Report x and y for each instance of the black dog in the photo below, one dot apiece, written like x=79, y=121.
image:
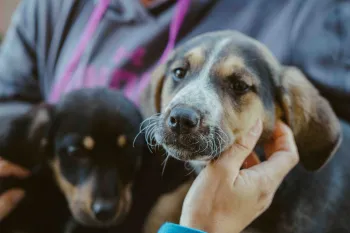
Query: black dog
x=83, y=157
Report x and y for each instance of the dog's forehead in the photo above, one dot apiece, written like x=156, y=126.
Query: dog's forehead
x=227, y=48
x=98, y=109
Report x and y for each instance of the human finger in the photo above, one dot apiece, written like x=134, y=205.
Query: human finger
x=231, y=161
x=9, y=169
x=251, y=161
x=282, y=140
x=9, y=200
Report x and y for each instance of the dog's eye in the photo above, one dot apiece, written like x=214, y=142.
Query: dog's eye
x=75, y=152
x=179, y=73
x=240, y=86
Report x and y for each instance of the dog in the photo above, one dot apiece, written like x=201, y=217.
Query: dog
x=210, y=92
x=84, y=161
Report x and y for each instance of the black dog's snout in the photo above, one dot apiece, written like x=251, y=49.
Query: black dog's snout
x=183, y=119
x=104, y=210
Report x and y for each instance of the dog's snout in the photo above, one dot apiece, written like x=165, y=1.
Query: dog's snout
x=104, y=210
x=183, y=119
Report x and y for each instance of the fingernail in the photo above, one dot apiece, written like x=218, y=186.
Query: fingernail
x=257, y=128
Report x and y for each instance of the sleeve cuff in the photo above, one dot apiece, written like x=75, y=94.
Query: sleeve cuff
x=174, y=228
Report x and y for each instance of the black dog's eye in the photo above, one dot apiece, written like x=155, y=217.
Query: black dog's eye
x=240, y=87
x=76, y=152
x=179, y=73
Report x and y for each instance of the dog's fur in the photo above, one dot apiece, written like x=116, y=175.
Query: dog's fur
x=82, y=147
x=231, y=80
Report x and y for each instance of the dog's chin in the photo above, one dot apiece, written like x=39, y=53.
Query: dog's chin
x=184, y=154
x=188, y=147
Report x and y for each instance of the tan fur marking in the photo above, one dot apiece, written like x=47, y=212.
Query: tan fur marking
x=121, y=141
x=125, y=201
x=68, y=189
x=196, y=57
x=240, y=121
x=167, y=209
x=88, y=143
x=79, y=198
x=229, y=65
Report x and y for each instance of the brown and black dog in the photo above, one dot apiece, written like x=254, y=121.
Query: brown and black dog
x=85, y=145
x=214, y=87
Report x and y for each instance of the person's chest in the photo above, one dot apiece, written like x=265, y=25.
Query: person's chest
x=114, y=48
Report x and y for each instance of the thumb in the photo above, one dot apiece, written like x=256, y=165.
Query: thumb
x=231, y=160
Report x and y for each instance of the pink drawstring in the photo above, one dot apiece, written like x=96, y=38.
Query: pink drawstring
x=63, y=81
x=176, y=22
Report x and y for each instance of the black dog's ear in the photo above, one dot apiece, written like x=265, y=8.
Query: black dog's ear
x=151, y=96
x=23, y=137
x=315, y=126
x=41, y=118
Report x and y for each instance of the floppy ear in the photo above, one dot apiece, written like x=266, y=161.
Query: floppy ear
x=151, y=96
x=23, y=136
x=315, y=126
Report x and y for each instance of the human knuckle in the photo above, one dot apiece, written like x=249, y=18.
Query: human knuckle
x=293, y=158
x=265, y=203
x=266, y=185
x=243, y=149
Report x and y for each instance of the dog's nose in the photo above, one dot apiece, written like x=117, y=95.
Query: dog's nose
x=104, y=210
x=183, y=119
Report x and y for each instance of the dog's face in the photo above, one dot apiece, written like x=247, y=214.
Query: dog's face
x=88, y=139
x=213, y=89
x=94, y=160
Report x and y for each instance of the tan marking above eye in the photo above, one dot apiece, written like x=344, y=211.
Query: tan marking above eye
x=229, y=65
x=196, y=57
x=88, y=143
x=121, y=141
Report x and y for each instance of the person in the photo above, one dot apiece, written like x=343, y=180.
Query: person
x=53, y=47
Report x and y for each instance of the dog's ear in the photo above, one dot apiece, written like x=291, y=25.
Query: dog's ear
x=315, y=126
x=41, y=118
x=151, y=96
x=23, y=136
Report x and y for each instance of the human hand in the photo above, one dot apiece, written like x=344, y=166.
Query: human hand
x=224, y=198
x=10, y=199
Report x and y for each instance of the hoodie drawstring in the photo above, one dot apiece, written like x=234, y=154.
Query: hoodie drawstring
x=63, y=81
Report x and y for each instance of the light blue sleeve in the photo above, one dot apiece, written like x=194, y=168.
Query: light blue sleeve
x=174, y=228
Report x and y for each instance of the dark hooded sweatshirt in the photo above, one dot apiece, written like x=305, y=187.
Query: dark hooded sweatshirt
x=74, y=43
x=54, y=46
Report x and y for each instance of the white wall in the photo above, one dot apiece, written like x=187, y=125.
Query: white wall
x=6, y=9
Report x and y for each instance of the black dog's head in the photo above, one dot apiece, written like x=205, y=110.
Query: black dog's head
x=87, y=138
x=213, y=88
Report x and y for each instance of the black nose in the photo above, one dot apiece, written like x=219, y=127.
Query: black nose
x=104, y=210
x=183, y=119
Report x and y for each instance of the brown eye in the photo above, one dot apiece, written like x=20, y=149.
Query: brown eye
x=179, y=73
x=240, y=87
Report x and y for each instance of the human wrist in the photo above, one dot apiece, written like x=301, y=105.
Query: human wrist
x=175, y=228
x=212, y=225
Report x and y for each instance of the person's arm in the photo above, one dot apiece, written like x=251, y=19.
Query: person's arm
x=19, y=59
x=175, y=228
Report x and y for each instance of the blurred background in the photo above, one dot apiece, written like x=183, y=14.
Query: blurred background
x=6, y=9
